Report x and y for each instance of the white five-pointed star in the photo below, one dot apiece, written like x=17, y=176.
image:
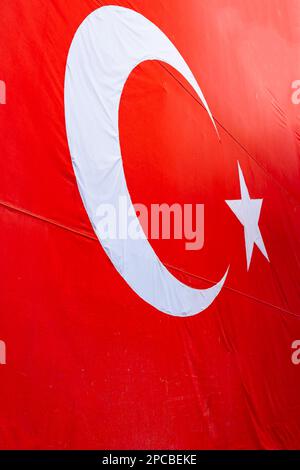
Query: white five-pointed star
x=247, y=211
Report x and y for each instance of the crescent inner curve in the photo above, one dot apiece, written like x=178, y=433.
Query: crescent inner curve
x=108, y=45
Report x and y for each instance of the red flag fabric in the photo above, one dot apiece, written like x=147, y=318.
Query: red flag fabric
x=90, y=360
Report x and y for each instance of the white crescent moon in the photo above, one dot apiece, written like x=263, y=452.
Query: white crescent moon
x=108, y=45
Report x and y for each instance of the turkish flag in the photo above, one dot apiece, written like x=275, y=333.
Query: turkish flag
x=89, y=362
